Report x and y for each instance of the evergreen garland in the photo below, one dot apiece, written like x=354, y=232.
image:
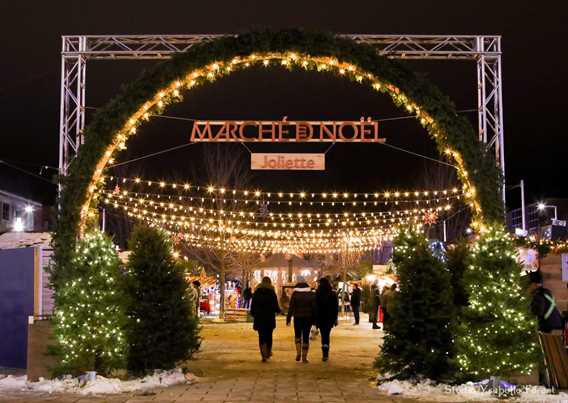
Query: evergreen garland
x=90, y=318
x=419, y=337
x=162, y=329
x=497, y=334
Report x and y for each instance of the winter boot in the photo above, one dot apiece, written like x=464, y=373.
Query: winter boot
x=325, y=352
x=298, y=350
x=264, y=352
x=305, y=349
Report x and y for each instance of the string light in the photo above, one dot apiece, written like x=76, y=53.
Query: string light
x=170, y=94
x=286, y=196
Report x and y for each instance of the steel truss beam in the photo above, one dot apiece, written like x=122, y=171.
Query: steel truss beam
x=77, y=50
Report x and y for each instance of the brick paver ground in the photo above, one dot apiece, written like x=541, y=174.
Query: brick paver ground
x=230, y=370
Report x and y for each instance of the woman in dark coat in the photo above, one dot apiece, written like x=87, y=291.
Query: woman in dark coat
x=302, y=307
x=326, y=313
x=263, y=309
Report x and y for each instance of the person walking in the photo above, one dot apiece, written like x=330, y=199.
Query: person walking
x=356, y=302
x=247, y=297
x=302, y=306
x=375, y=303
x=197, y=292
x=325, y=314
x=263, y=309
x=386, y=303
x=543, y=305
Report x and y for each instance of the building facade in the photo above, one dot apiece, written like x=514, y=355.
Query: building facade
x=19, y=214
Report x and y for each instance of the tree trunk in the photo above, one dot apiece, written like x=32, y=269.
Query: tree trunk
x=222, y=291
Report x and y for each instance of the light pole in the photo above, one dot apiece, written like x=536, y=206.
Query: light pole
x=523, y=211
x=541, y=207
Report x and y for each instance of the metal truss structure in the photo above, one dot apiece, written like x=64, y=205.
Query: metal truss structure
x=485, y=51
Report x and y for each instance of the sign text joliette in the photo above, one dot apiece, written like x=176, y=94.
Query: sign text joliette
x=282, y=131
x=287, y=161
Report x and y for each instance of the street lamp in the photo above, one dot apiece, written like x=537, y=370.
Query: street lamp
x=29, y=209
x=541, y=207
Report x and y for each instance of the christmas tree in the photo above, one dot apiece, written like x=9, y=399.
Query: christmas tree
x=419, y=337
x=456, y=261
x=497, y=333
x=89, y=317
x=162, y=329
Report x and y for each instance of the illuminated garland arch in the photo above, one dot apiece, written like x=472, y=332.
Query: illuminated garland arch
x=155, y=89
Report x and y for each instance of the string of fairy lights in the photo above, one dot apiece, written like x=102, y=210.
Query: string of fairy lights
x=254, y=221
x=172, y=93
x=250, y=194
x=190, y=213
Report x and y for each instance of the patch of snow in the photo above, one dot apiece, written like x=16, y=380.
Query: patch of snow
x=431, y=391
x=434, y=392
x=12, y=382
x=100, y=386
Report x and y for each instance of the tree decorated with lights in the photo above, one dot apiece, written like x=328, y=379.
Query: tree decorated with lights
x=419, y=340
x=497, y=333
x=89, y=316
x=162, y=329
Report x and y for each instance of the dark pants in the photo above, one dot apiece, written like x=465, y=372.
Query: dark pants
x=247, y=303
x=374, y=314
x=355, y=313
x=265, y=337
x=302, y=328
x=325, y=333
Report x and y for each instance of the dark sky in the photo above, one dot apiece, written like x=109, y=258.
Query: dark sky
x=534, y=73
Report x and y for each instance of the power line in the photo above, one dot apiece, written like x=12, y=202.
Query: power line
x=250, y=151
x=418, y=155
x=153, y=154
x=26, y=172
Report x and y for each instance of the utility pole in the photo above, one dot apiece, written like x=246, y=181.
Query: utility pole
x=523, y=212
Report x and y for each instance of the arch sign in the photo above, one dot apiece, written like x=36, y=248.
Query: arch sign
x=338, y=58
x=285, y=131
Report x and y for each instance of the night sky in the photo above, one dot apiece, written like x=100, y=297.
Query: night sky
x=534, y=73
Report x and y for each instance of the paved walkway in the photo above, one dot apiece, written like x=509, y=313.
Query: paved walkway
x=230, y=370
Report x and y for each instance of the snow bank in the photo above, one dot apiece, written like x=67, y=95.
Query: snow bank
x=428, y=390
x=101, y=385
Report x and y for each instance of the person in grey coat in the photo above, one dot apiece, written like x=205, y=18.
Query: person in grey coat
x=302, y=308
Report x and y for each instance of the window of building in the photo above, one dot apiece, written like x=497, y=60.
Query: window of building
x=5, y=211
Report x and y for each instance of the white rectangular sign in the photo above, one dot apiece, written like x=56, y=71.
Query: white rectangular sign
x=288, y=161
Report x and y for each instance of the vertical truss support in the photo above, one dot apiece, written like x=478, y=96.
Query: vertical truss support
x=72, y=103
x=490, y=99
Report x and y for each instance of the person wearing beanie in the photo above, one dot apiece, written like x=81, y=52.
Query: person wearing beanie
x=302, y=306
x=543, y=305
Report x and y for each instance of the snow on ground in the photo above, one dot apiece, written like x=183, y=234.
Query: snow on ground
x=427, y=390
x=101, y=385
